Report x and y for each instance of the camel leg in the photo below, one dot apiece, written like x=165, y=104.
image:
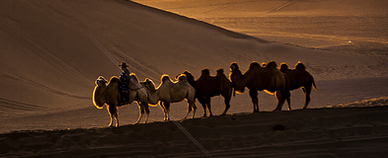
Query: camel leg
x=147, y=110
x=203, y=103
x=188, y=111
x=166, y=109
x=280, y=96
x=194, y=108
x=111, y=119
x=288, y=99
x=289, y=103
x=307, y=92
x=227, y=104
x=255, y=100
x=112, y=110
x=141, y=112
x=208, y=101
x=190, y=107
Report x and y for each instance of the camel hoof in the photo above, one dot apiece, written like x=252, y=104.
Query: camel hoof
x=223, y=114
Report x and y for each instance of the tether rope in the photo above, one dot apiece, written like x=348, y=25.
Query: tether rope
x=153, y=100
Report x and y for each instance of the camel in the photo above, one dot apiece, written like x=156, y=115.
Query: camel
x=299, y=77
x=108, y=93
x=170, y=92
x=258, y=78
x=208, y=86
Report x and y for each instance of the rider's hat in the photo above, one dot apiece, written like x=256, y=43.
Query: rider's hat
x=124, y=65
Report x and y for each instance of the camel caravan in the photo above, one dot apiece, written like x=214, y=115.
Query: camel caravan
x=123, y=90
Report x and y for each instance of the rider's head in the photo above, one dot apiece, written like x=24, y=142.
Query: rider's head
x=123, y=65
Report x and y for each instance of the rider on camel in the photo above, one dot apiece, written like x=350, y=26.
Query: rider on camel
x=124, y=78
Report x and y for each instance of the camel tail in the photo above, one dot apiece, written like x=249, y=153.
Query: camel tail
x=315, y=86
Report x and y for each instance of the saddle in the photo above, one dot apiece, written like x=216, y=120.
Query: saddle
x=124, y=93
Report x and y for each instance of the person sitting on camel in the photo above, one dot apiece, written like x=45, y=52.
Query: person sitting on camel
x=124, y=78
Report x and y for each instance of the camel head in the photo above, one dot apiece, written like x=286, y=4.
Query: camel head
x=234, y=67
x=189, y=77
x=181, y=77
x=101, y=81
x=148, y=84
x=99, y=92
x=237, y=78
x=187, y=73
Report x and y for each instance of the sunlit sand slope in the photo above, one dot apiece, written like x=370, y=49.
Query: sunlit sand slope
x=300, y=22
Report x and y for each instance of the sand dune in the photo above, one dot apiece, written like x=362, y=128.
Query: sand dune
x=48, y=65
x=306, y=23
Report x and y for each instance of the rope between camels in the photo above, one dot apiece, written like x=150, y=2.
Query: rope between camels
x=144, y=91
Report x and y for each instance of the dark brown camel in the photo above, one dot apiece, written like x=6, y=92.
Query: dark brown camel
x=208, y=86
x=258, y=78
x=299, y=77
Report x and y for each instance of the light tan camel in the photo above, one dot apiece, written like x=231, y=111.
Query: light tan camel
x=109, y=94
x=299, y=77
x=258, y=78
x=170, y=92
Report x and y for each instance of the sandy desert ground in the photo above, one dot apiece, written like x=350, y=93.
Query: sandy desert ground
x=326, y=132
x=49, y=64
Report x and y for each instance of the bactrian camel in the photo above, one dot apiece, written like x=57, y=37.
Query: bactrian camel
x=107, y=93
x=170, y=92
x=299, y=77
x=258, y=78
x=208, y=86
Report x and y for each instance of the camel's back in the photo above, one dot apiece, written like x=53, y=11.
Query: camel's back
x=269, y=78
x=182, y=90
x=208, y=86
